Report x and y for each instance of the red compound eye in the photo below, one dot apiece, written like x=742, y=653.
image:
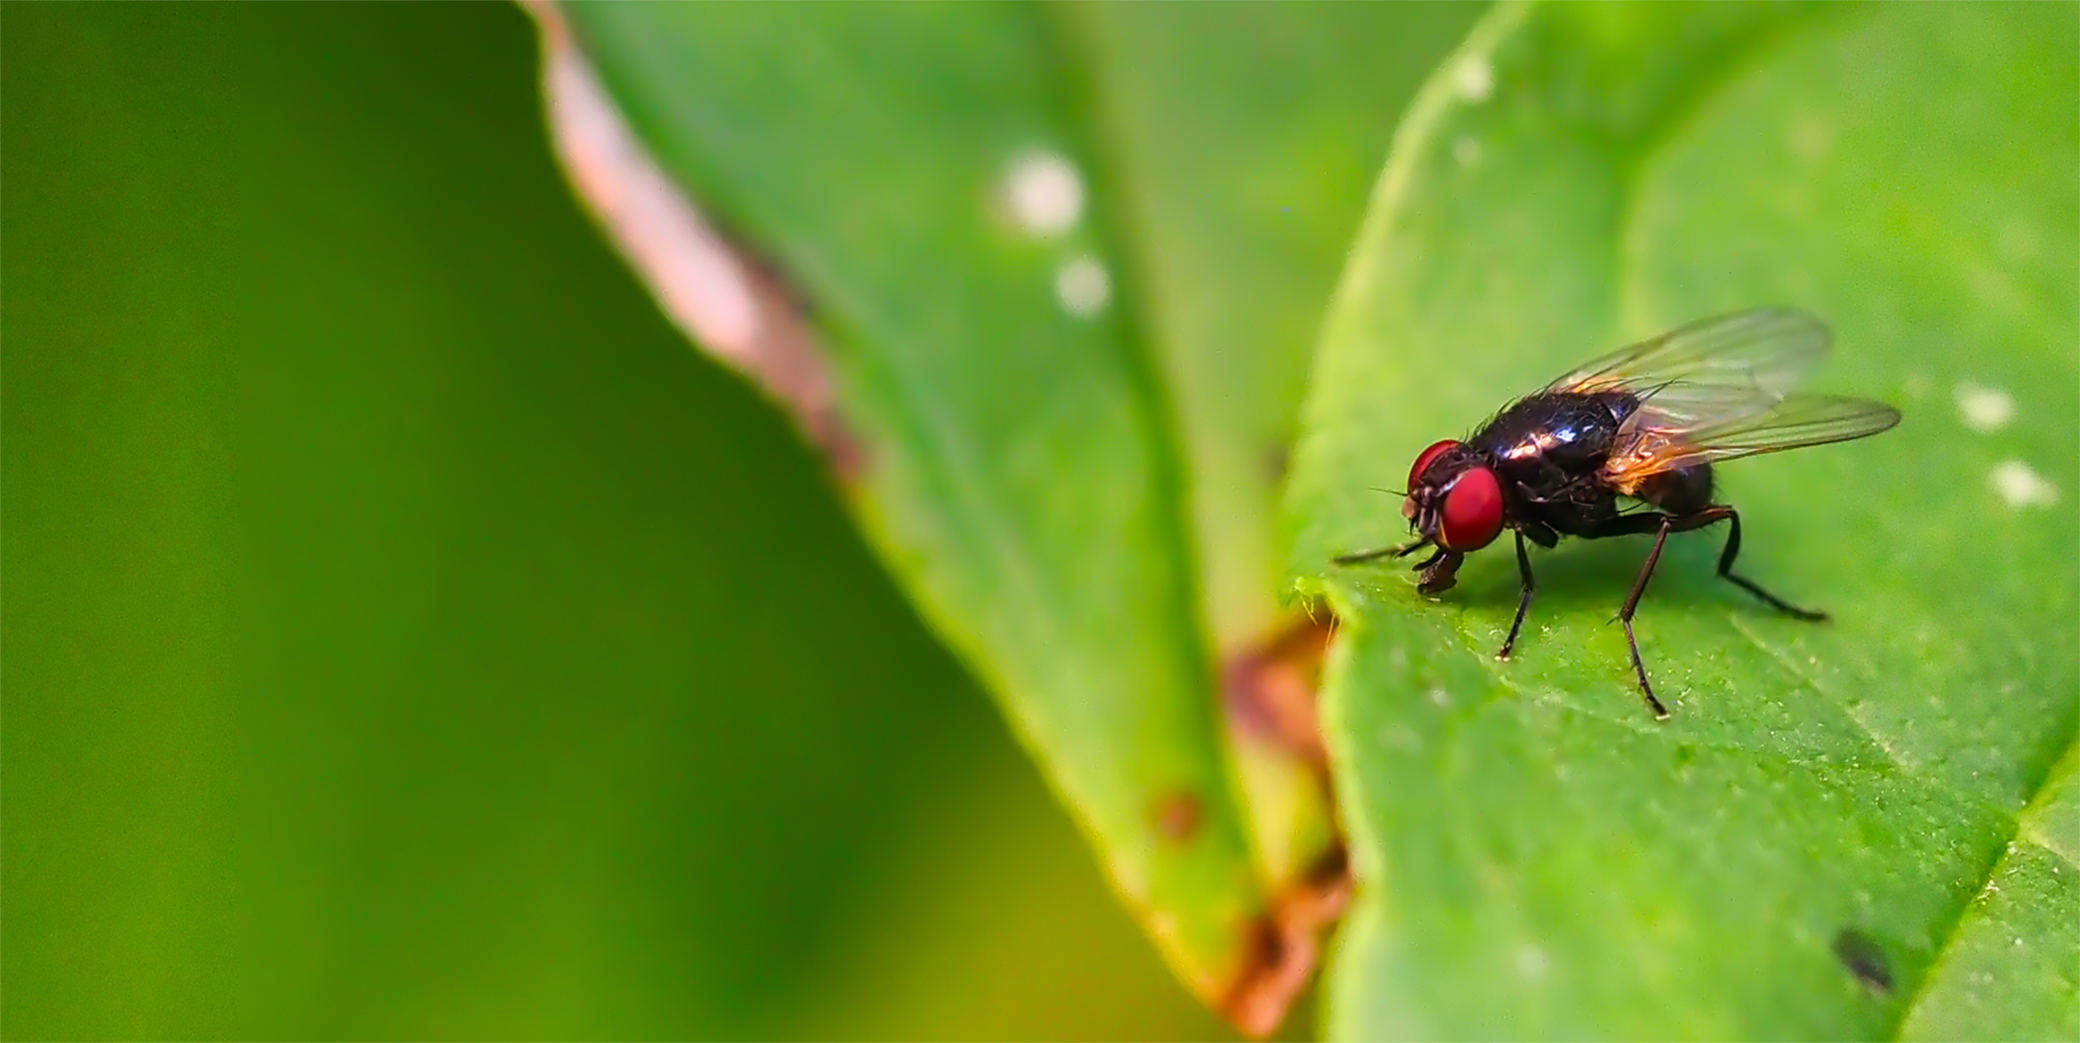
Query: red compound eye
x=1472, y=511
x=1425, y=459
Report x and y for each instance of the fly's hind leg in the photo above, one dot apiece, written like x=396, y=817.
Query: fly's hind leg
x=1732, y=551
x=1661, y=525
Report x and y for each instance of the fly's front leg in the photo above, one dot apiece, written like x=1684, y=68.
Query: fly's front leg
x=1400, y=550
x=1523, y=600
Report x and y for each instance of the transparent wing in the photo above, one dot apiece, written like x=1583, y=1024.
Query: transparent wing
x=1712, y=371
x=1649, y=444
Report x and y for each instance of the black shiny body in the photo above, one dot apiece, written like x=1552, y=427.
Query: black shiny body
x=1624, y=445
x=1549, y=450
x=1548, y=453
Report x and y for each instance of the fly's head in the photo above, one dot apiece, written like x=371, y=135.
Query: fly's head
x=1454, y=502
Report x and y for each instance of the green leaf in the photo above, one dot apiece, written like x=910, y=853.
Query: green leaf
x=2008, y=971
x=1536, y=855
x=1061, y=431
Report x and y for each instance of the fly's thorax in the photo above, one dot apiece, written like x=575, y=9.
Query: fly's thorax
x=1568, y=431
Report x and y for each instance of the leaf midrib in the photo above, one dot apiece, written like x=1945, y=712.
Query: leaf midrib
x=2000, y=857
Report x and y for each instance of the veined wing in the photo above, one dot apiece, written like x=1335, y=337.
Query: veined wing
x=1712, y=371
x=1648, y=445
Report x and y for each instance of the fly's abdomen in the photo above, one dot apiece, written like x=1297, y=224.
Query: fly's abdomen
x=1684, y=490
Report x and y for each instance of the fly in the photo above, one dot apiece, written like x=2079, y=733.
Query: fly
x=1645, y=423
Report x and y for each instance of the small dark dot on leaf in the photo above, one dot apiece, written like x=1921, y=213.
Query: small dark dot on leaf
x=1864, y=959
x=1276, y=460
x=1177, y=816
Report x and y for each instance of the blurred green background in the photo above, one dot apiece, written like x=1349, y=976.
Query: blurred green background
x=408, y=634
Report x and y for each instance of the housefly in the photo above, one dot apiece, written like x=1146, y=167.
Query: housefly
x=1625, y=446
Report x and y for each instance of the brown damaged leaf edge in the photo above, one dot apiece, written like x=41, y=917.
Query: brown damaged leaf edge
x=1269, y=692
x=1286, y=944
x=728, y=301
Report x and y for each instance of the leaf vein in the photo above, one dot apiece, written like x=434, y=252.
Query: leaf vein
x=2000, y=857
x=1806, y=678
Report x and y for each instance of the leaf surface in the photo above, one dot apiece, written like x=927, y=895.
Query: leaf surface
x=1537, y=856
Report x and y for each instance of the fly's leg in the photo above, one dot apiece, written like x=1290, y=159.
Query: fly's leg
x=1523, y=601
x=1398, y=551
x=1732, y=551
x=1660, y=525
x=1639, y=587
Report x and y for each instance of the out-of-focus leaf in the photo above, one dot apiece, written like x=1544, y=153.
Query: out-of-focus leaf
x=1845, y=831
x=1044, y=408
x=1016, y=469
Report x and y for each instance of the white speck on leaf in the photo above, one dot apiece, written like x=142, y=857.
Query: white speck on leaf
x=1400, y=737
x=1984, y=409
x=1440, y=697
x=1475, y=79
x=1532, y=963
x=1083, y=286
x=1044, y=192
x=1467, y=151
x=2022, y=486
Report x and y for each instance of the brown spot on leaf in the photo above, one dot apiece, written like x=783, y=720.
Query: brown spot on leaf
x=731, y=303
x=1277, y=460
x=1269, y=690
x=1177, y=816
x=1285, y=946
